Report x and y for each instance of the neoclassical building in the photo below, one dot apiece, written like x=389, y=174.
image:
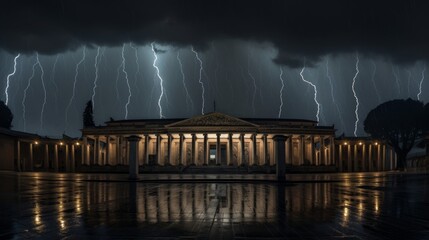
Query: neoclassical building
x=211, y=139
x=214, y=139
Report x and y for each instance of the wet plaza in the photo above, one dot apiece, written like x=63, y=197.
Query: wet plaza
x=312, y=206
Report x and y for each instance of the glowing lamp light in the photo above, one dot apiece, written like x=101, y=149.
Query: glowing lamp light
x=36, y=142
x=376, y=143
x=77, y=143
x=345, y=143
x=61, y=143
x=360, y=143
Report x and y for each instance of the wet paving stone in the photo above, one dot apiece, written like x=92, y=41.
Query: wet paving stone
x=317, y=206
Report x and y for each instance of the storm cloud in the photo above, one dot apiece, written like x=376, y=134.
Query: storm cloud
x=301, y=31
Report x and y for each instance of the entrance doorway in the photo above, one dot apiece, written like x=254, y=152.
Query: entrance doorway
x=213, y=155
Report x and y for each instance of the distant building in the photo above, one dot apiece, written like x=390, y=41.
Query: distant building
x=363, y=154
x=22, y=151
x=214, y=139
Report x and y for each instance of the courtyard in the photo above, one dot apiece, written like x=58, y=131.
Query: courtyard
x=388, y=205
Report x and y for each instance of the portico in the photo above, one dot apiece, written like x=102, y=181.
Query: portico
x=212, y=139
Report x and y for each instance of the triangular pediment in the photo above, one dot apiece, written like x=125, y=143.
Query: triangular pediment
x=214, y=119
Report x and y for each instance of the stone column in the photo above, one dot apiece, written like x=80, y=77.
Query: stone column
x=370, y=163
x=84, y=150
x=355, y=158
x=383, y=158
x=332, y=151
x=194, y=138
x=107, y=150
x=391, y=159
x=118, y=150
x=312, y=150
x=266, y=150
x=206, y=160
x=181, y=149
x=302, y=157
x=349, y=158
x=254, y=153
x=95, y=157
x=378, y=157
x=31, y=157
x=169, y=139
x=67, y=162
x=56, y=158
x=364, y=157
x=231, y=156
x=322, y=150
x=46, y=162
x=146, y=149
x=133, y=163
x=73, y=159
x=243, y=159
x=340, y=157
x=280, y=156
x=99, y=155
x=289, y=150
x=158, y=149
x=218, y=160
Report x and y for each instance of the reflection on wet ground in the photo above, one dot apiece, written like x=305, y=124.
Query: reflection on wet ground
x=322, y=206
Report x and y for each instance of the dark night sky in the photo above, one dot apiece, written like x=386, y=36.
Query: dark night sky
x=243, y=45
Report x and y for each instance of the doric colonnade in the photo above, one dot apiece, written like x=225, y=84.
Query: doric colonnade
x=362, y=155
x=207, y=149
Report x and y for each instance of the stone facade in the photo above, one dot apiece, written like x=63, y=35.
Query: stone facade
x=214, y=139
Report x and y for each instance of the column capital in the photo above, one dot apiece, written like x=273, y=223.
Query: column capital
x=218, y=134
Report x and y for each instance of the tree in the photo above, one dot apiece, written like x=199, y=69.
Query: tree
x=88, y=118
x=398, y=122
x=6, y=116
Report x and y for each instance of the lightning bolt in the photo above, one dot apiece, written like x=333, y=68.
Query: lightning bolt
x=74, y=85
x=281, y=93
x=354, y=94
x=421, y=82
x=54, y=67
x=188, y=97
x=328, y=75
x=373, y=80
x=136, y=75
x=315, y=92
x=160, y=80
x=8, y=78
x=25, y=95
x=154, y=82
x=128, y=82
x=96, y=74
x=44, y=91
x=397, y=79
x=255, y=87
x=200, y=80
